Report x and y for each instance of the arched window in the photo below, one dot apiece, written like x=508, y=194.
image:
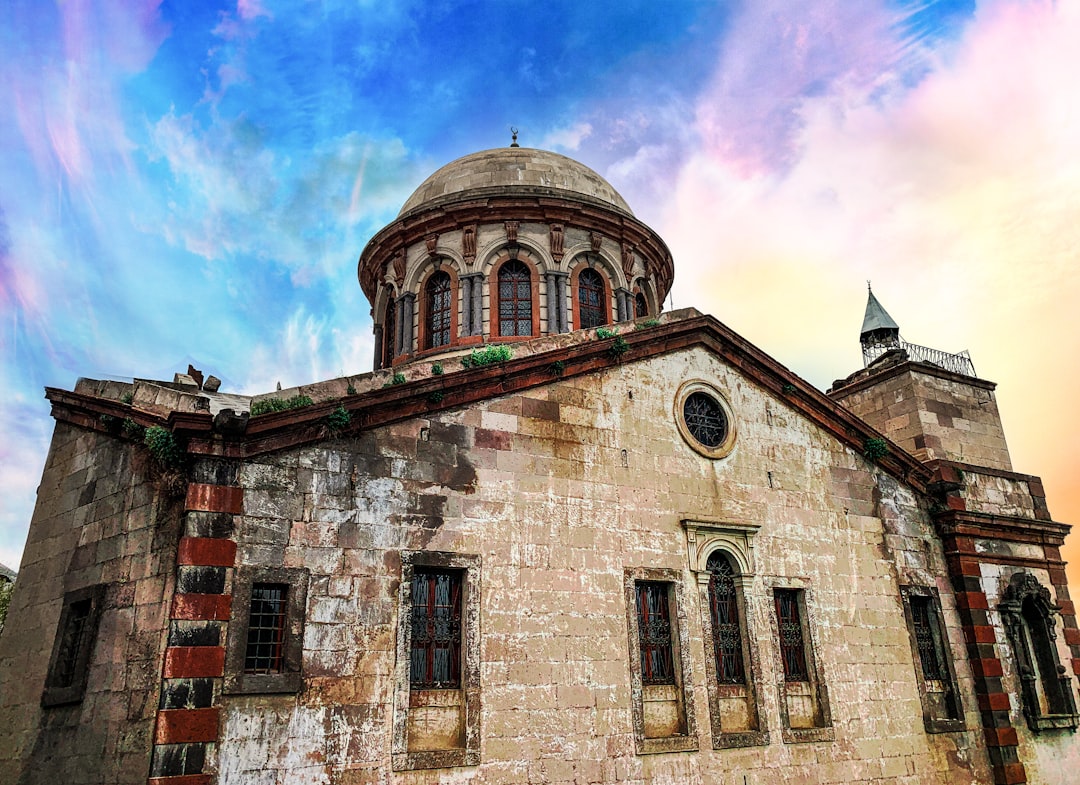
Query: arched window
x=1045, y=687
x=592, y=299
x=726, y=628
x=439, y=310
x=515, y=299
x=389, y=336
x=641, y=306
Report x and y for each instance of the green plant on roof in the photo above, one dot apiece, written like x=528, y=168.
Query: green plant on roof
x=163, y=447
x=436, y=369
x=350, y=390
x=619, y=347
x=557, y=368
x=339, y=419
x=647, y=324
x=397, y=378
x=132, y=429
x=789, y=389
x=604, y=332
x=489, y=355
x=268, y=405
x=875, y=448
x=436, y=397
x=127, y=397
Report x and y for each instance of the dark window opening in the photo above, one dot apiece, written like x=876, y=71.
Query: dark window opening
x=1042, y=646
x=73, y=646
x=591, y=299
x=641, y=307
x=727, y=631
x=705, y=419
x=389, y=333
x=925, y=625
x=439, y=310
x=515, y=299
x=72, y=641
x=266, y=628
x=654, y=633
x=792, y=645
x=435, y=658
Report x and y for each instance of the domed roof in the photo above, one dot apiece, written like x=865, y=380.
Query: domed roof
x=517, y=168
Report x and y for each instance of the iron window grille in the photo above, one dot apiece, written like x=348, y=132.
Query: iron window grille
x=727, y=631
x=591, y=299
x=641, y=306
x=515, y=299
x=930, y=654
x=389, y=333
x=266, y=628
x=792, y=645
x=435, y=658
x=439, y=310
x=654, y=633
x=705, y=419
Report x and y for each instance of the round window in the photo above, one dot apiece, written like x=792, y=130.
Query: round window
x=704, y=419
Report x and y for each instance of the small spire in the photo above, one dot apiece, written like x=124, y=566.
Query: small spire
x=513, y=138
x=877, y=326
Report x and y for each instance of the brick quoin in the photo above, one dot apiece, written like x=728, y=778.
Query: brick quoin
x=201, y=607
x=994, y=701
x=184, y=779
x=178, y=726
x=214, y=498
x=979, y=633
x=1001, y=737
x=194, y=661
x=206, y=552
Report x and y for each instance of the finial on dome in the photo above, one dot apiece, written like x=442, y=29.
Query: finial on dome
x=513, y=137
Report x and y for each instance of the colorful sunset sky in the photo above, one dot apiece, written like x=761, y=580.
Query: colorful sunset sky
x=194, y=181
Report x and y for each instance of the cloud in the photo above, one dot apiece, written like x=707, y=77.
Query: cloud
x=566, y=138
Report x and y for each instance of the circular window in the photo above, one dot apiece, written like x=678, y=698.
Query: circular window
x=705, y=419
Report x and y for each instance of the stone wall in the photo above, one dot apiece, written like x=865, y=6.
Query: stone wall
x=558, y=492
x=98, y=521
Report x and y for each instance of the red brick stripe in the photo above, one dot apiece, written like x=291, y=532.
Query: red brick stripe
x=206, y=552
x=183, y=779
x=179, y=726
x=201, y=607
x=182, y=662
x=214, y=498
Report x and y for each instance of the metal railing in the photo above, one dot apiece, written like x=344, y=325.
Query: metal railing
x=959, y=362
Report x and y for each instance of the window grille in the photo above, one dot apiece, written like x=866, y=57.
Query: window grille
x=792, y=646
x=435, y=658
x=71, y=644
x=654, y=633
x=727, y=632
x=438, y=310
x=929, y=650
x=266, y=628
x=515, y=299
x=591, y=299
x=705, y=419
x=389, y=333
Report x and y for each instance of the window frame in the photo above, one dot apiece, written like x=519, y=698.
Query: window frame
x=680, y=658
x=427, y=330
x=933, y=720
x=682, y=395
x=521, y=256
x=1023, y=592
x=408, y=698
x=55, y=693
x=823, y=730
x=237, y=680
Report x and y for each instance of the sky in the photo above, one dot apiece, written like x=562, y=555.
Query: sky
x=194, y=182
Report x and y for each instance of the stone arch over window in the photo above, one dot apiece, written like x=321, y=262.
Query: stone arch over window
x=438, y=295
x=591, y=289
x=1045, y=687
x=388, y=334
x=643, y=302
x=721, y=555
x=515, y=296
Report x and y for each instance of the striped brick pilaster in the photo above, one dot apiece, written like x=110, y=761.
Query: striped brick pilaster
x=188, y=713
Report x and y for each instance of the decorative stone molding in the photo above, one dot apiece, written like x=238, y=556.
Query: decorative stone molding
x=596, y=240
x=705, y=537
x=557, y=242
x=511, y=228
x=468, y=243
x=432, y=242
x=628, y=260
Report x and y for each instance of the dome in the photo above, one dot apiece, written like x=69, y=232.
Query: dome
x=521, y=169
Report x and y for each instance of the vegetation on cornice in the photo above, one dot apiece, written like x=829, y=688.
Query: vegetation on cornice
x=489, y=355
x=268, y=405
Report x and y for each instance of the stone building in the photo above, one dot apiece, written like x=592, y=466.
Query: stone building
x=556, y=536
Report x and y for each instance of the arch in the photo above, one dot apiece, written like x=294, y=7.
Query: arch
x=514, y=297
x=727, y=618
x=592, y=298
x=388, y=337
x=421, y=267
x=1045, y=688
x=438, y=296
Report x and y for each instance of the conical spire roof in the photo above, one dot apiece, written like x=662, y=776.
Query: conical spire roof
x=876, y=318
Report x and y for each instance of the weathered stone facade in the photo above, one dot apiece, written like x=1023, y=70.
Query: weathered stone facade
x=540, y=570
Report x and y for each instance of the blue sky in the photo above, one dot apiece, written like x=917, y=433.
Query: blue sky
x=193, y=182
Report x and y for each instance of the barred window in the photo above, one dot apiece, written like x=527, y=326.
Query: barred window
x=592, y=301
x=266, y=628
x=792, y=646
x=515, y=299
x=439, y=309
x=930, y=655
x=726, y=628
x=641, y=307
x=654, y=633
x=389, y=333
x=705, y=419
x=435, y=659
x=73, y=646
